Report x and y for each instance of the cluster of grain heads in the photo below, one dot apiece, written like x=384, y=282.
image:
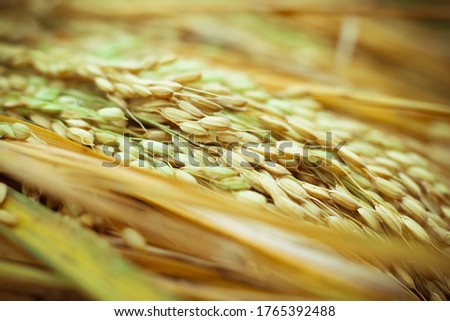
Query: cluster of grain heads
x=194, y=129
x=17, y=131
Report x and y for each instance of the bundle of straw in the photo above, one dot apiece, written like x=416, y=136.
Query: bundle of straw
x=148, y=160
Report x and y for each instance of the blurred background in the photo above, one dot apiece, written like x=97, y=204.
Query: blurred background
x=396, y=47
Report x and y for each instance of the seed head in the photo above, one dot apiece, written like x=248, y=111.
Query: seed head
x=302, y=129
x=216, y=123
x=251, y=197
x=141, y=90
x=104, y=84
x=80, y=136
x=193, y=127
x=103, y=137
x=380, y=171
x=316, y=191
x=205, y=105
x=344, y=200
x=414, y=209
x=133, y=238
x=410, y=184
x=157, y=135
x=389, y=218
x=274, y=168
x=188, y=77
x=273, y=123
x=59, y=128
x=387, y=188
x=191, y=109
x=6, y=131
x=176, y=115
x=351, y=158
x=41, y=120
x=217, y=173
x=156, y=147
x=228, y=137
x=124, y=90
x=21, y=131
x=111, y=113
x=370, y=218
x=233, y=184
x=415, y=229
x=420, y=174
x=161, y=92
x=77, y=123
x=293, y=189
x=185, y=177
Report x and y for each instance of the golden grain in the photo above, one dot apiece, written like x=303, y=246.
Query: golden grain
x=124, y=90
x=369, y=216
x=187, y=77
x=111, y=113
x=302, y=129
x=410, y=185
x=205, y=105
x=400, y=157
x=274, y=168
x=316, y=191
x=251, y=197
x=389, y=218
x=59, y=128
x=21, y=131
x=104, y=84
x=133, y=238
x=191, y=109
x=388, y=188
x=420, y=173
x=404, y=276
x=141, y=90
x=344, y=200
x=184, y=176
x=273, y=123
x=41, y=120
x=228, y=137
x=380, y=171
x=216, y=123
x=414, y=209
x=351, y=158
x=233, y=184
x=157, y=135
x=293, y=188
x=80, y=136
x=193, y=127
x=161, y=92
x=415, y=229
x=78, y=123
x=388, y=163
x=175, y=115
